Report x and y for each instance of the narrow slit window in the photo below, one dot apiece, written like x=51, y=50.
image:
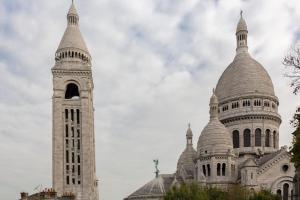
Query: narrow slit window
x=67, y=130
x=78, y=116
x=67, y=156
x=223, y=169
x=208, y=169
x=66, y=114
x=72, y=114
x=73, y=157
x=218, y=169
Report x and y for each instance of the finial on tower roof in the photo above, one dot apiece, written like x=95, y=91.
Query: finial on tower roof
x=241, y=13
x=189, y=125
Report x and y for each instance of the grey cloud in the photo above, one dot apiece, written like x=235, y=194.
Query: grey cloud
x=154, y=66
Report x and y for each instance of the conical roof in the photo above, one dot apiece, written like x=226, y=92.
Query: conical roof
x=242, y=26
x=72, y=37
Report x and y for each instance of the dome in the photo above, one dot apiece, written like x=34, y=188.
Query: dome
x=244, y=76
x=154, y=189
x=214, y=138
x=187, y=157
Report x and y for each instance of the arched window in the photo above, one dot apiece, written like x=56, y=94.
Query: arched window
x=285, y=191
x=204, y=170
x=258, y=137
x=72, y=91
x=274, y=139
x=236, y=139
x=223, y=169
x=247, y=138
x=267, y=138
x=208, y=169
x=218, y=169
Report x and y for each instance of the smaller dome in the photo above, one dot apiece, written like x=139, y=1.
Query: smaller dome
x=242, y=26
x=187, y=157
x=154, y=189
x=214, y=138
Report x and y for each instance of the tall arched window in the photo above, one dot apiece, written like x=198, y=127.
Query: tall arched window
x=204, y=170
x=236, y=139
x=274, y=139
x=208, y=169
x=247, y=138
x=218, y=169
x=72, y=91
x=223, y=169
x=285, y=191
x=258, y=137
x=267, y=138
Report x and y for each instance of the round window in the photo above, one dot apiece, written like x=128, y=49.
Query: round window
x=285, y=168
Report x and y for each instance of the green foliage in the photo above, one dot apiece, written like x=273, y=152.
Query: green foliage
x=264, y=195
x=195, y=192
x=295, y=148
x=186, y=192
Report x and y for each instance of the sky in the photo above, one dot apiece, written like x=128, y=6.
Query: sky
x=155, y=63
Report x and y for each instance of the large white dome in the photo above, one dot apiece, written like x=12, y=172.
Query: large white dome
x=244, y=76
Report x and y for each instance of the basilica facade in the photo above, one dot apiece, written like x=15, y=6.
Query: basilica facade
x=240, y=143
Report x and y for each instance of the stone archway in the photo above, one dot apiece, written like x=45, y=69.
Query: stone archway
x=284, y=186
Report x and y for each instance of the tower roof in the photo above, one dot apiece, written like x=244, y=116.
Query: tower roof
x=241, y=26
x=72, y=37
x=72, y=10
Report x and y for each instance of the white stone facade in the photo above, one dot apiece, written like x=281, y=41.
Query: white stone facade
x=73, y=154
x=240, y=143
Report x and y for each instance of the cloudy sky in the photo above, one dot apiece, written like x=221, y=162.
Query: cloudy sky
x=155, y=63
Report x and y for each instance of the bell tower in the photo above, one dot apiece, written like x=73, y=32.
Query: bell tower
x=73, y=156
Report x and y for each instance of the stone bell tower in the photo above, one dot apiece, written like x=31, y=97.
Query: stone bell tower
x=73, y=155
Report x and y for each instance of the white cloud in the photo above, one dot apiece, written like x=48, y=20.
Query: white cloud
x=154, y=63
